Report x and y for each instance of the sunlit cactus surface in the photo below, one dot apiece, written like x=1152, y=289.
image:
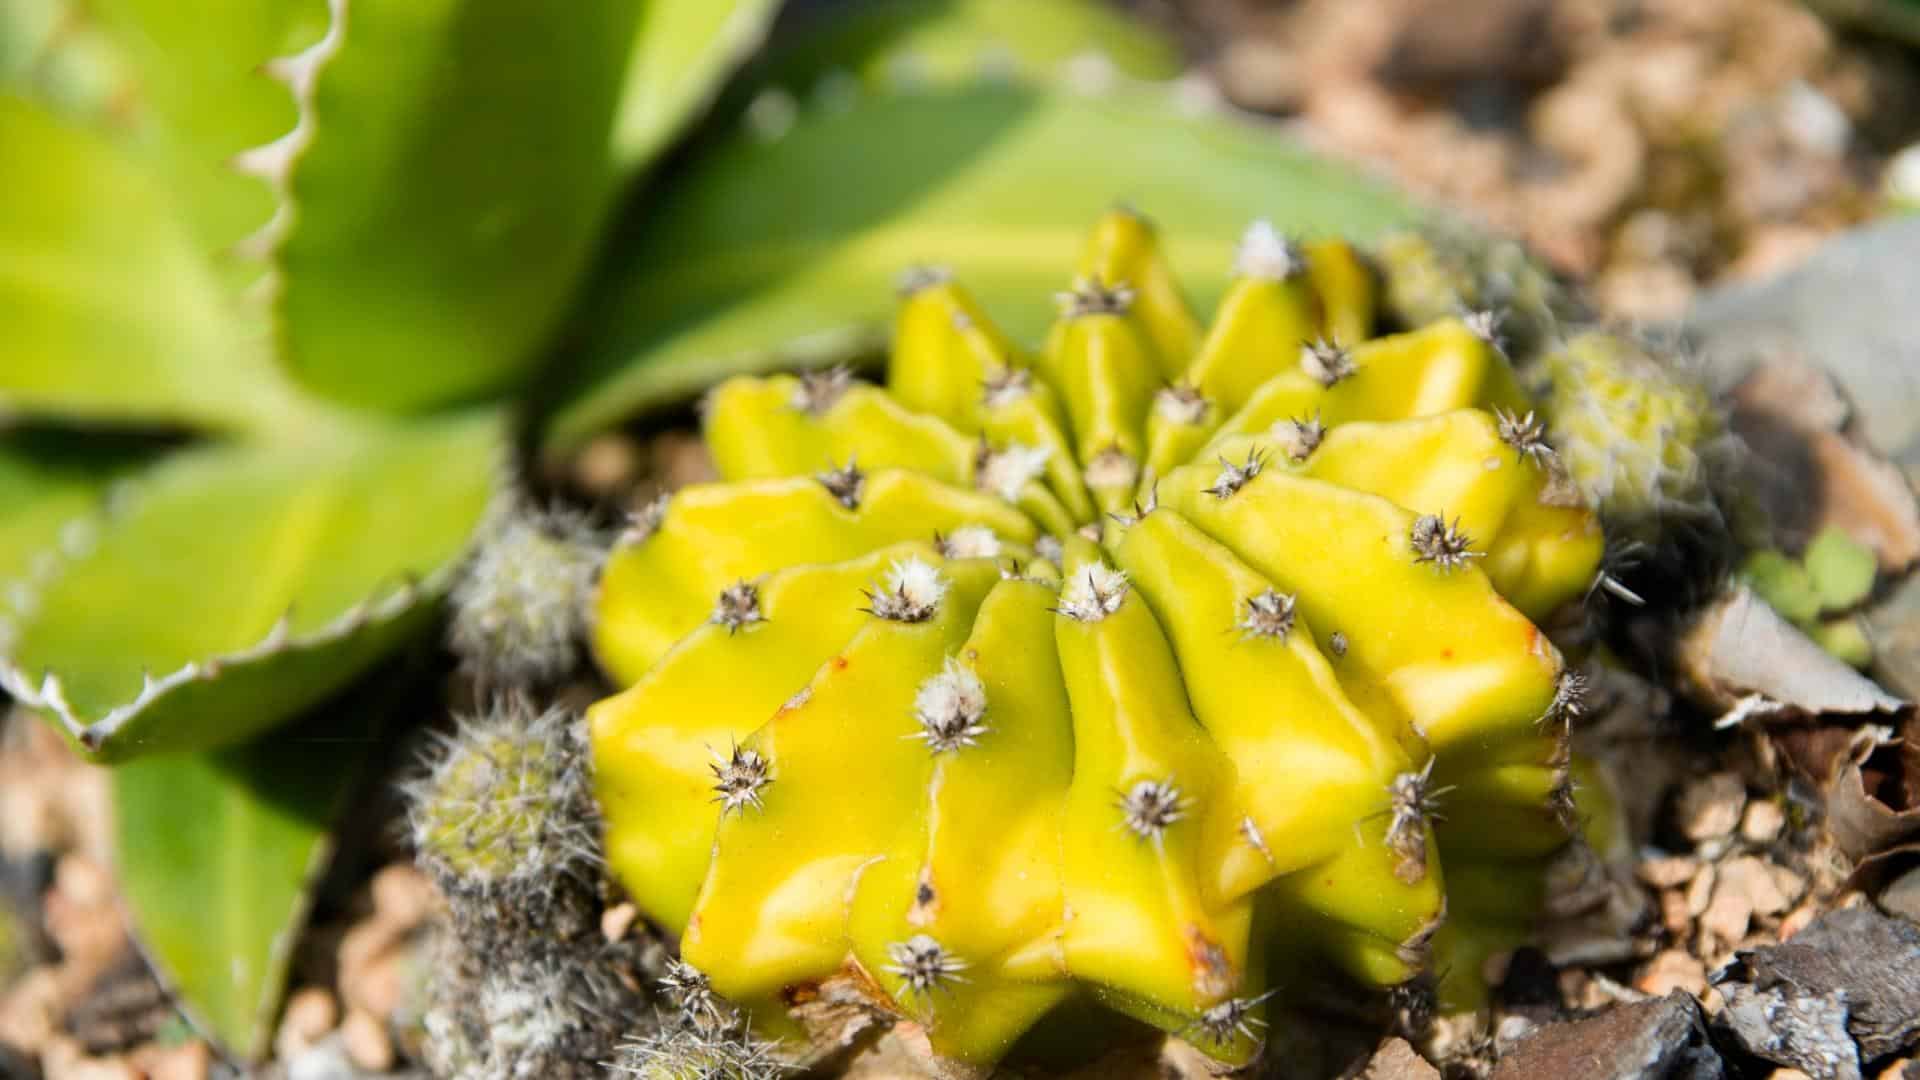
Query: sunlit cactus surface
x=1174, y=664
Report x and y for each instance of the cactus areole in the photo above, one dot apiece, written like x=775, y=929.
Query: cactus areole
x=1170, y=664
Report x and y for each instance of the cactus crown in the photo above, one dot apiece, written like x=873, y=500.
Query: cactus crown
x=1636, y=435
x=1144, y=662
x=503, y=807
x=520, y=606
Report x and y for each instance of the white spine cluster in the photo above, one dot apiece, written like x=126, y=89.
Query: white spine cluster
x=1007, y=471
x=911, y=592
x=1264, y=253
x=952, y=709
x=519, y=609
x=1092, y=593
x=968, y=542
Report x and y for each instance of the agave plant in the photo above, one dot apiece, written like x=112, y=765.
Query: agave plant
x=279, y=279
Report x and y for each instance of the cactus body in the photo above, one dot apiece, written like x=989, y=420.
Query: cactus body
x=1635, y=435
x=1165, y=664
x=520, y=607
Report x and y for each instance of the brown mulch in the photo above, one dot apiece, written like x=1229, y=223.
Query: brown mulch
x=1648, y=147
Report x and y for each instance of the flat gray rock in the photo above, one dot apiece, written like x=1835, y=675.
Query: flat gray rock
x=1853, y=308
x=1657, y=1039
x=1851, y=977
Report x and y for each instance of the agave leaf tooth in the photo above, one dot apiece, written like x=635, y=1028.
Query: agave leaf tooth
x=115, y=313
x=424, y=266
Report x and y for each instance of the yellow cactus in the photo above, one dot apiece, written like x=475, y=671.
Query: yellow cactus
x=1161, y=664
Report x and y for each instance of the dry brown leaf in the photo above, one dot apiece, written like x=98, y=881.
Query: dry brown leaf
x=1871, y=782
x=1739, y=656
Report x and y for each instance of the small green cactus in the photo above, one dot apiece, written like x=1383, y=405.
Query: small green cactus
x=503, y=817
x=503, y=820
x=1446, y=269
x=1166, y=662
x=1637, y=435
x=520, y=1020
x=519, y=610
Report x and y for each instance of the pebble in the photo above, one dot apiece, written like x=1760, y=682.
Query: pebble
x=403, y=897
x=1675, y=917
x=369, y=957
x=1711, y=807
x=191, y=1060
x=617, y=920
x=63, y=1059
x=1673, y=969
x=1797, y=920
x=1902, y=177
x=1728, y=915
x=1700, y=892
x=1758, y=883
x=326, y=1060
x=1397, y=1060
x=1762, y=822
x=1657, y=1037
x=1667, y=871
x=608, y=465
x=366, y=1041
x=1261, y=74
x=311, y=1013
x=30, y=1009
x=1903, y=896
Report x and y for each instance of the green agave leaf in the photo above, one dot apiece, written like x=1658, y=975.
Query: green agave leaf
x=218, y=855
x=458, y=173
x=766, y=253
x=50, y=52
x=111, y=312
x=241, y=584
x=47, y=481
x=203, y=94
x=908, y=44
x=682, y=53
